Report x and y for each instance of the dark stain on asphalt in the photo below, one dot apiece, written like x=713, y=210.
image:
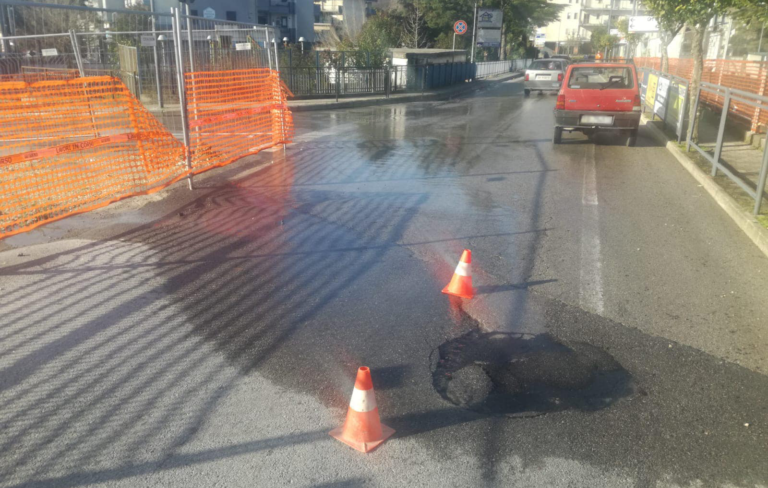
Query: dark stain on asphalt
x=523, y=375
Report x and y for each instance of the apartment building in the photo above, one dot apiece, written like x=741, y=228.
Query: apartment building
x=579, y=18
x=341, y=18
x=294, y=18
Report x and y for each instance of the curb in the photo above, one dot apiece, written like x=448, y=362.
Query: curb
x=426, y=97
x=751, y=227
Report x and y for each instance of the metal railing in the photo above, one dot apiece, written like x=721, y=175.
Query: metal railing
x=728, y=96
x=330, y=81
x=492, y=68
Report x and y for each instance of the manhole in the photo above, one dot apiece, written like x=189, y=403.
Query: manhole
x=526, y=375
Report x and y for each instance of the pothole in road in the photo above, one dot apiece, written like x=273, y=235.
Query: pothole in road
x=520, y=375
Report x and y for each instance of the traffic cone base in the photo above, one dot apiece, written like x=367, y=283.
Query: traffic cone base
x=459, y=290
x=363, y=430
x=461, y=283
x=363, y=446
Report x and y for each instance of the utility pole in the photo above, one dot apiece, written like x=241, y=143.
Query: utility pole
x=474, y=33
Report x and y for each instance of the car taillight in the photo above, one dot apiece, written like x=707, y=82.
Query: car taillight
x=559, y=77
x=527, y=77
x=636, y=104
x=560, y=105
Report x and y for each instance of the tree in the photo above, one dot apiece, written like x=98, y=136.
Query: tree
x=380, y=33
x=669, y=26
x=696, y=14
x=414, y=24
x=571, y=42
x=521, y=18
x=602, y=40
x=633, y=39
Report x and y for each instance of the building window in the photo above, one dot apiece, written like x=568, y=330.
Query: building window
x=284, y=21
x=193, y=13
x=231, y=15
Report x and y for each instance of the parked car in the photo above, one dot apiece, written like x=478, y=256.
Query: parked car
x=544, y=75
x=599, y=97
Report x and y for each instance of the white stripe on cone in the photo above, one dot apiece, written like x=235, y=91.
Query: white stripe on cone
x=363, y=400
x=464, y=269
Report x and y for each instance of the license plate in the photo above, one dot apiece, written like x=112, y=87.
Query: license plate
x=597, y=119
x=543, y=77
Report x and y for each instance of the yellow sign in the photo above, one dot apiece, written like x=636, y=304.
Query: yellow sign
x=650, y=92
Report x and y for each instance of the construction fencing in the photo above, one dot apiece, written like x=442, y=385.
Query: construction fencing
x=71, y=142
x=747, y=76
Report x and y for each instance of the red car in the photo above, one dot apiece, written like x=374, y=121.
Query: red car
x=599, y=97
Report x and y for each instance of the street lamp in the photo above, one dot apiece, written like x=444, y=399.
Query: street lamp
x=301, y=42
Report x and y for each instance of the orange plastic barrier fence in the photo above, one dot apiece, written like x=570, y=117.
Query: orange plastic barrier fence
x=749, y=76
x=29, y=75
x=235, y=113
x=71, y=146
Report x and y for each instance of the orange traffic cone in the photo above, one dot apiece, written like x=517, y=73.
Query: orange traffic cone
x=363, y=430
x=461, y=283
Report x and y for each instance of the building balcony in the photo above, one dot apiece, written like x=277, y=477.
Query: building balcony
x=284, y=9
x=618, y=8
x=591, y=24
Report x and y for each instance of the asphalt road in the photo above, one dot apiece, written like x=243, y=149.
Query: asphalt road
x=211, y=338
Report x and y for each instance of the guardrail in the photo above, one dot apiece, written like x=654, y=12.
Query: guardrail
x=729, y=95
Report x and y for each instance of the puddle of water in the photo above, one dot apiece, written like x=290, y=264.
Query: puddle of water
x=522, y=375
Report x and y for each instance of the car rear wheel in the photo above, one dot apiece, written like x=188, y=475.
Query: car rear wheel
x=527, y=92
x=558, y=135
x=632, y=138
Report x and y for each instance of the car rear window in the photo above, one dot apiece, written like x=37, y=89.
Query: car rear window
x=546, y=65
x=594, y=77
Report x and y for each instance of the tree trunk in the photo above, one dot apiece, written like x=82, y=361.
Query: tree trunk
x=698, y=65
x=666, y=40
x=503, y=50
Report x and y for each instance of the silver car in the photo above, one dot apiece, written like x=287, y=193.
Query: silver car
x=545, y=75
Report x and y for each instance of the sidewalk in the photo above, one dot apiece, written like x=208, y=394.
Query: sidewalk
x=431, y=95
x=745, y=160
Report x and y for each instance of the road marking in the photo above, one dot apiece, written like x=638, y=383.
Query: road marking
x=590, y=277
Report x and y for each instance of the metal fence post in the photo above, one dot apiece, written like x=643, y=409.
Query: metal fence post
x=76, y=49
x=721, y=131
x=761, y=181
x=178, y=53
x=338, y=82
x=692, y=122
x=189, y=40
x=386, y=81
x=157, y=65
x=761, y=92
x=684, y=112
x=423, y=79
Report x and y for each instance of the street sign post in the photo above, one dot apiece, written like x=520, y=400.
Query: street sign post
x=642, y=23
x=460, y=28
x=489, y=22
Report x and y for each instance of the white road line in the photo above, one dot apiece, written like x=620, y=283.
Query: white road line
x=590, y=279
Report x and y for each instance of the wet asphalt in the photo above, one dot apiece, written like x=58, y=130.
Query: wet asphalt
x=617, y=338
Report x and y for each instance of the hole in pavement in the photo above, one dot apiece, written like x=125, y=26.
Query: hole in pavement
x=522, y=375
